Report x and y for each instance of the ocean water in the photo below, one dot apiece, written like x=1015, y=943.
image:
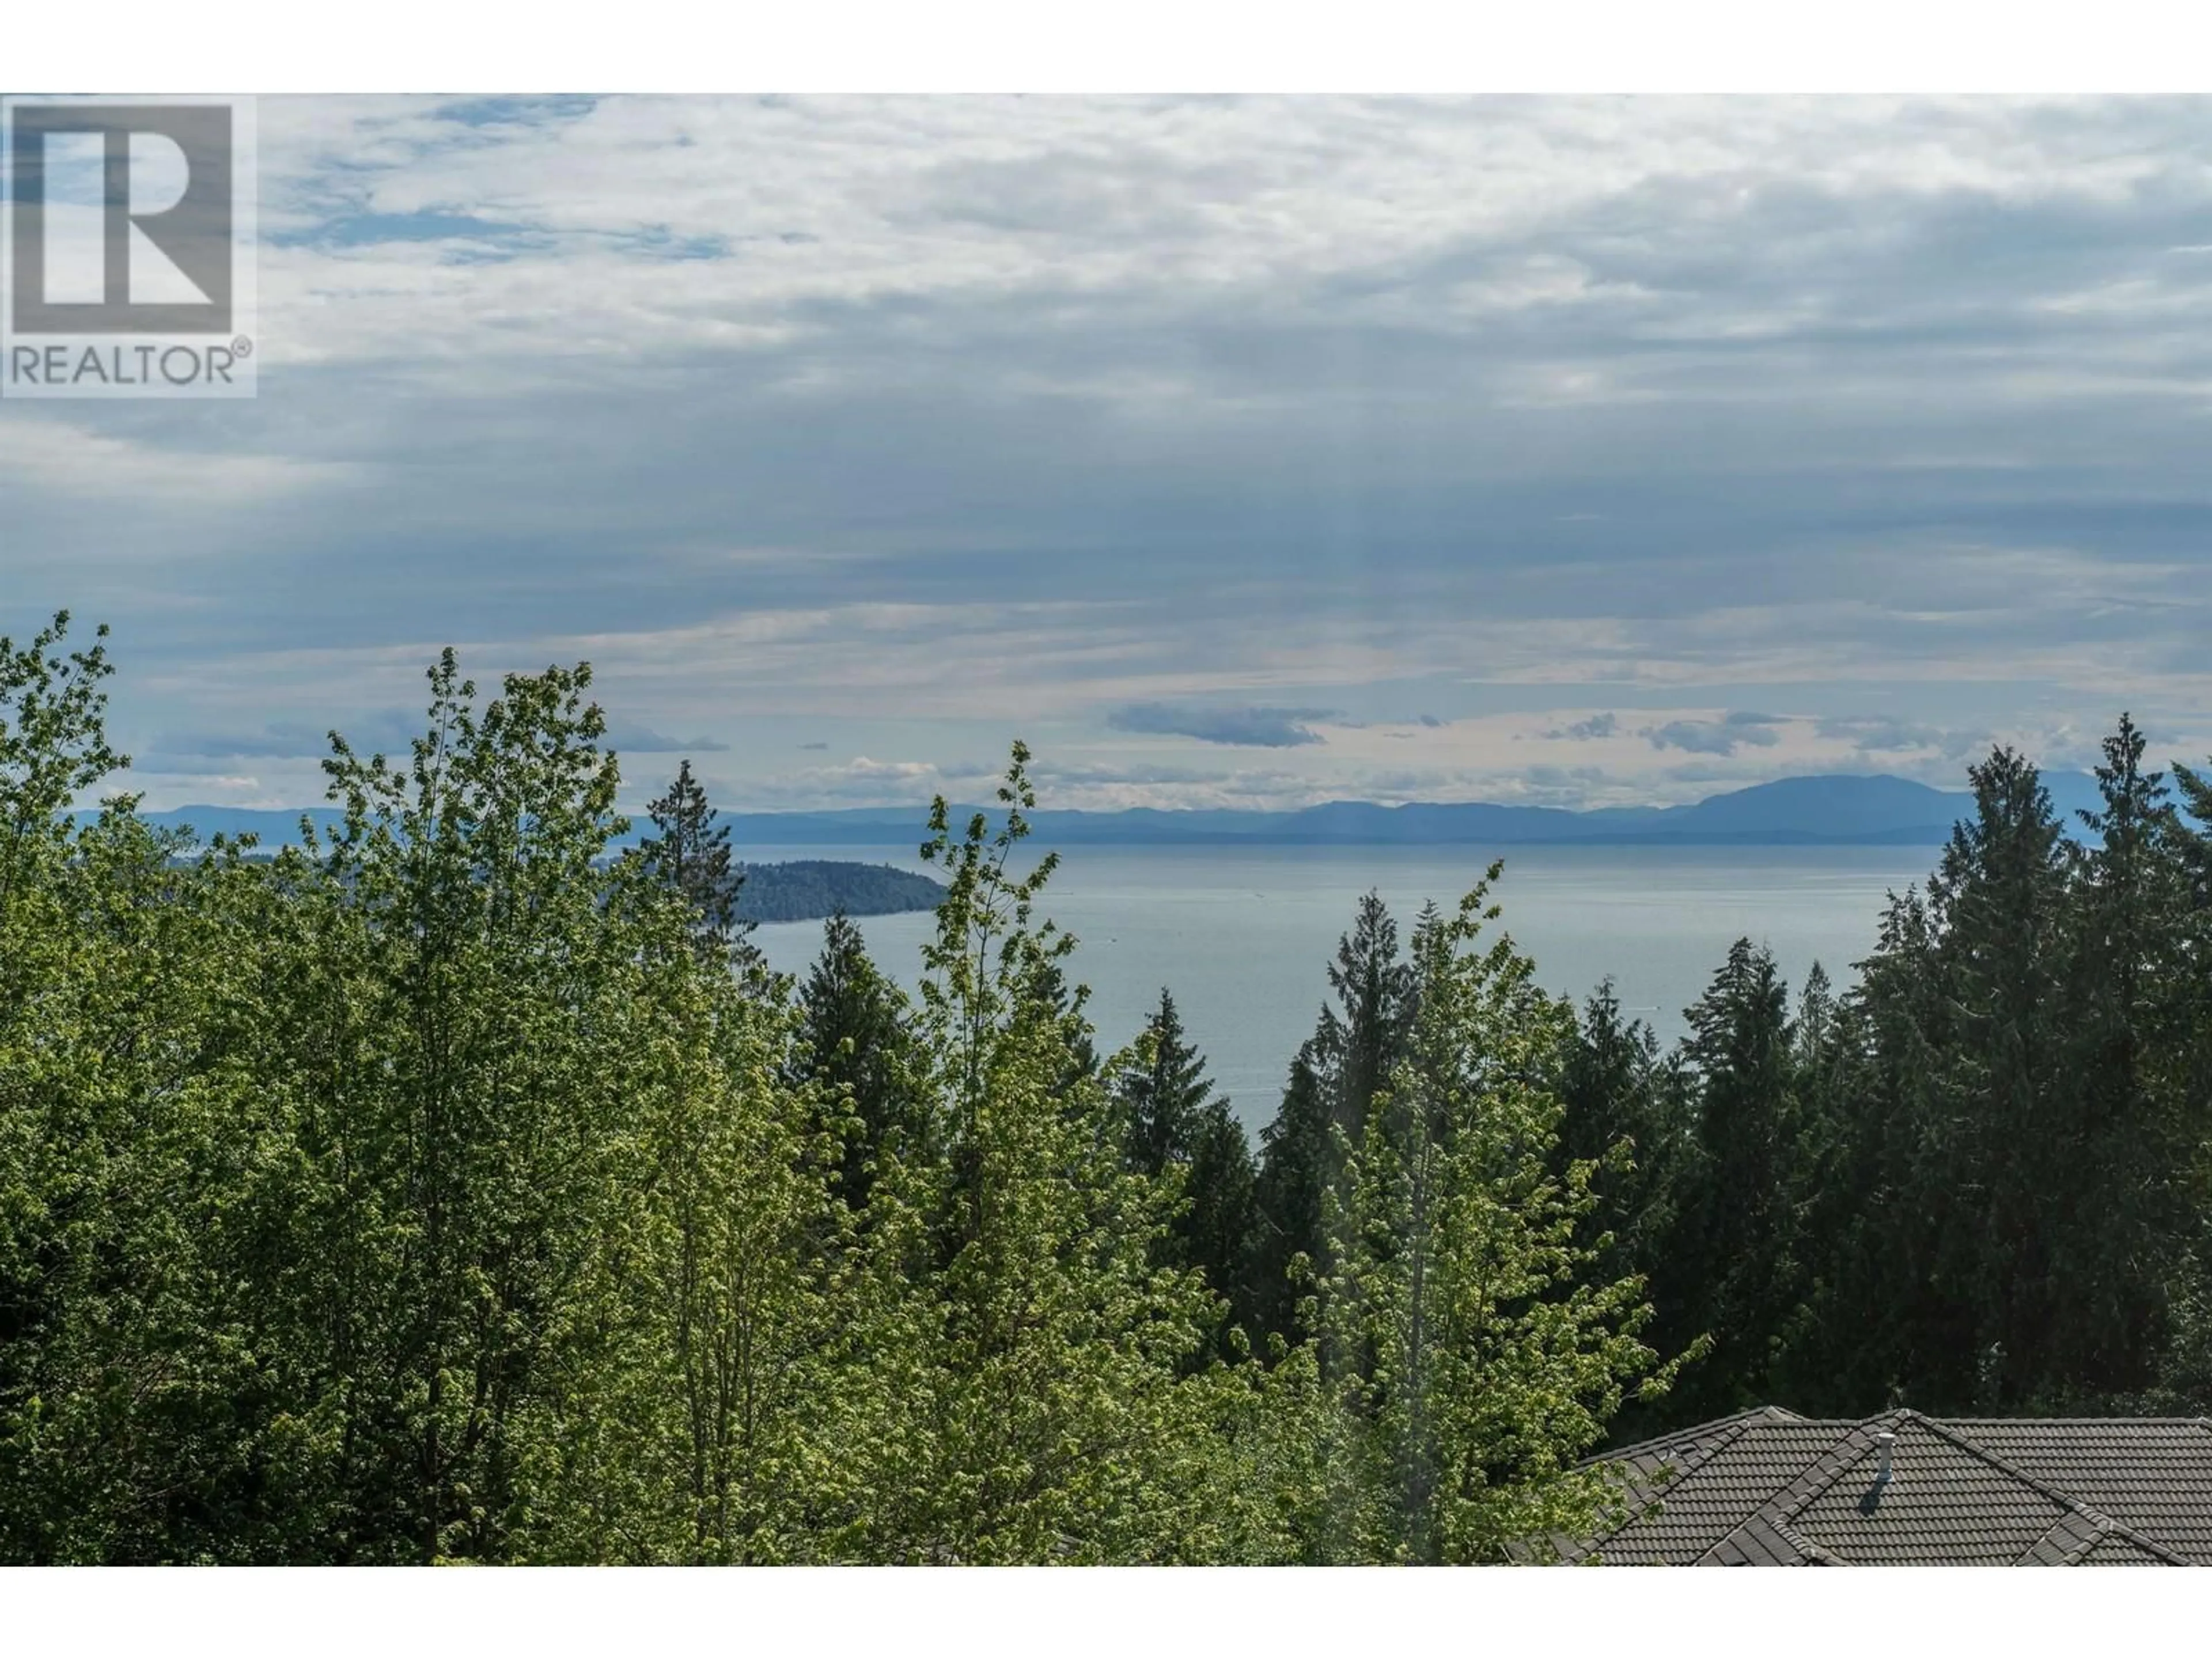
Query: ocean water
x=1244, y=935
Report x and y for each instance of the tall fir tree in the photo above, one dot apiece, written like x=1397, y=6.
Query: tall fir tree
x=1176, y=1124
x=1998, y=1142
x=1733, y=1261
x=855, y=1044
x=2184, y=1080
x=1289, y=1218
x=1332, y=1084
x=691, y=855
x=1626, y=1110
x=2124, y=1008
x=1162, y=1089
x=1377, y=991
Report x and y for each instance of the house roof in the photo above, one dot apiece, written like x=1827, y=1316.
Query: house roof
x=1770, y=1488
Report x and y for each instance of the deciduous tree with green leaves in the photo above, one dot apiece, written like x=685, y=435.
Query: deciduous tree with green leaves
x=1042, y=1359
x=1473, y=1361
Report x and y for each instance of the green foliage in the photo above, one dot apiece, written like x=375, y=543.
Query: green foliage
x=1041, y=1350
x=141, y=1417
x=435, y=1191
x=1297, y=1164
x=1177, y=1130
x=691, y=857
x=1628, y=1111
x=1333, y=1081
x=1976, y=1181
x=855, y=1041
x=1471, y=1356
x=1735, y=1239
x=52, y=747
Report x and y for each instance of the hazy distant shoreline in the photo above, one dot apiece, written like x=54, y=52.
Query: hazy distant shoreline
x=1841, y=810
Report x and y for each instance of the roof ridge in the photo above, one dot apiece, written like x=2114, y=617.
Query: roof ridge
x=2057, y=1495
x=1779, y=1513
x=1737, y=1420
x=1706, y=1466
x=1808, y=1552
x=2099, y=1533
x=2102, y=1422
x=1647, y=1495
x=1787, y=1504
x=1738, y=1534
x=1818, y=1554
x=1644, y=1495
x=2062, y=1543
x=2127, y=1534
x=2106, y=1526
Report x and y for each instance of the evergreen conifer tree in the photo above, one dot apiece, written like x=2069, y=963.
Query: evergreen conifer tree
x=855, y=1044
x=1332, y=1084
x=691, y=855
x=1176, y=1122
x=2124, y=1005
x=1734, y=1253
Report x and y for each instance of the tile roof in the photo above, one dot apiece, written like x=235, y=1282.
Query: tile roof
x=2154, y=1473
x=1769, y=1488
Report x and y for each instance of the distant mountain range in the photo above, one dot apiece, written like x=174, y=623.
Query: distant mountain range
x=1840, y=810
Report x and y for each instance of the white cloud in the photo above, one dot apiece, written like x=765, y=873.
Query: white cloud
x=49, y=455
x=934, y=420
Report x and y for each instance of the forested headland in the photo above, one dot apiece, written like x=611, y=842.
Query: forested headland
x=455, y=1186
x=808, y=890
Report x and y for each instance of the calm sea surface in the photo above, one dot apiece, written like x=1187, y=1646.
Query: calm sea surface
x=1244, y=935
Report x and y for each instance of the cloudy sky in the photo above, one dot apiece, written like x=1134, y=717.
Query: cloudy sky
x=1232, y=453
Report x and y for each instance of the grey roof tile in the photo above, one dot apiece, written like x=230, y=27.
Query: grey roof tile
x=1770, y=1488
x=2117, y=1549
x=2153, y=1474
x=2069, y=1536
x=1942, y=1501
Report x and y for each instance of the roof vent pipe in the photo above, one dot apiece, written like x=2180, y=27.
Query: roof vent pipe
x=1883, y=1442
